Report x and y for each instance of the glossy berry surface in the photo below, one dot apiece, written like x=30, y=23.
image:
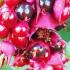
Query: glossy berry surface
x=3, y=31
x=24, y=11
x=21, y=29
x=46, y=4
x=28, y=34
x=19, y=42
x=39, y=51
x=8, y=17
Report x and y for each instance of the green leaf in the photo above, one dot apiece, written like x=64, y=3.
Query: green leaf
x=65, y=34
x=67, y=66
x=6, y=68
x=67, y=50
x=15, y=68
x=20, y=68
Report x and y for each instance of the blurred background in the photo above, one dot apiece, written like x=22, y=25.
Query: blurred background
x=65, y=34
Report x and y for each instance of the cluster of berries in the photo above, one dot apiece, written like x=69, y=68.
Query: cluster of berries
x=28, y=31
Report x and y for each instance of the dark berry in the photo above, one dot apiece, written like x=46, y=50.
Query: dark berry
x=24, y=11
x=46, y=4
x=39, y=51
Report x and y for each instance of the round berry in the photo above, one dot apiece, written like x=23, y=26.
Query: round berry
x=8, y=18
x=21, y=29
x=19, y=42
x=39, y=51
x=24, y=11
x=46, y=4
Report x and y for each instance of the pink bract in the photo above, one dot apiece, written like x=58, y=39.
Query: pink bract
x=8, y=49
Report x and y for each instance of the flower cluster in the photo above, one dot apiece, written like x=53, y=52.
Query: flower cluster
x=28, y=31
